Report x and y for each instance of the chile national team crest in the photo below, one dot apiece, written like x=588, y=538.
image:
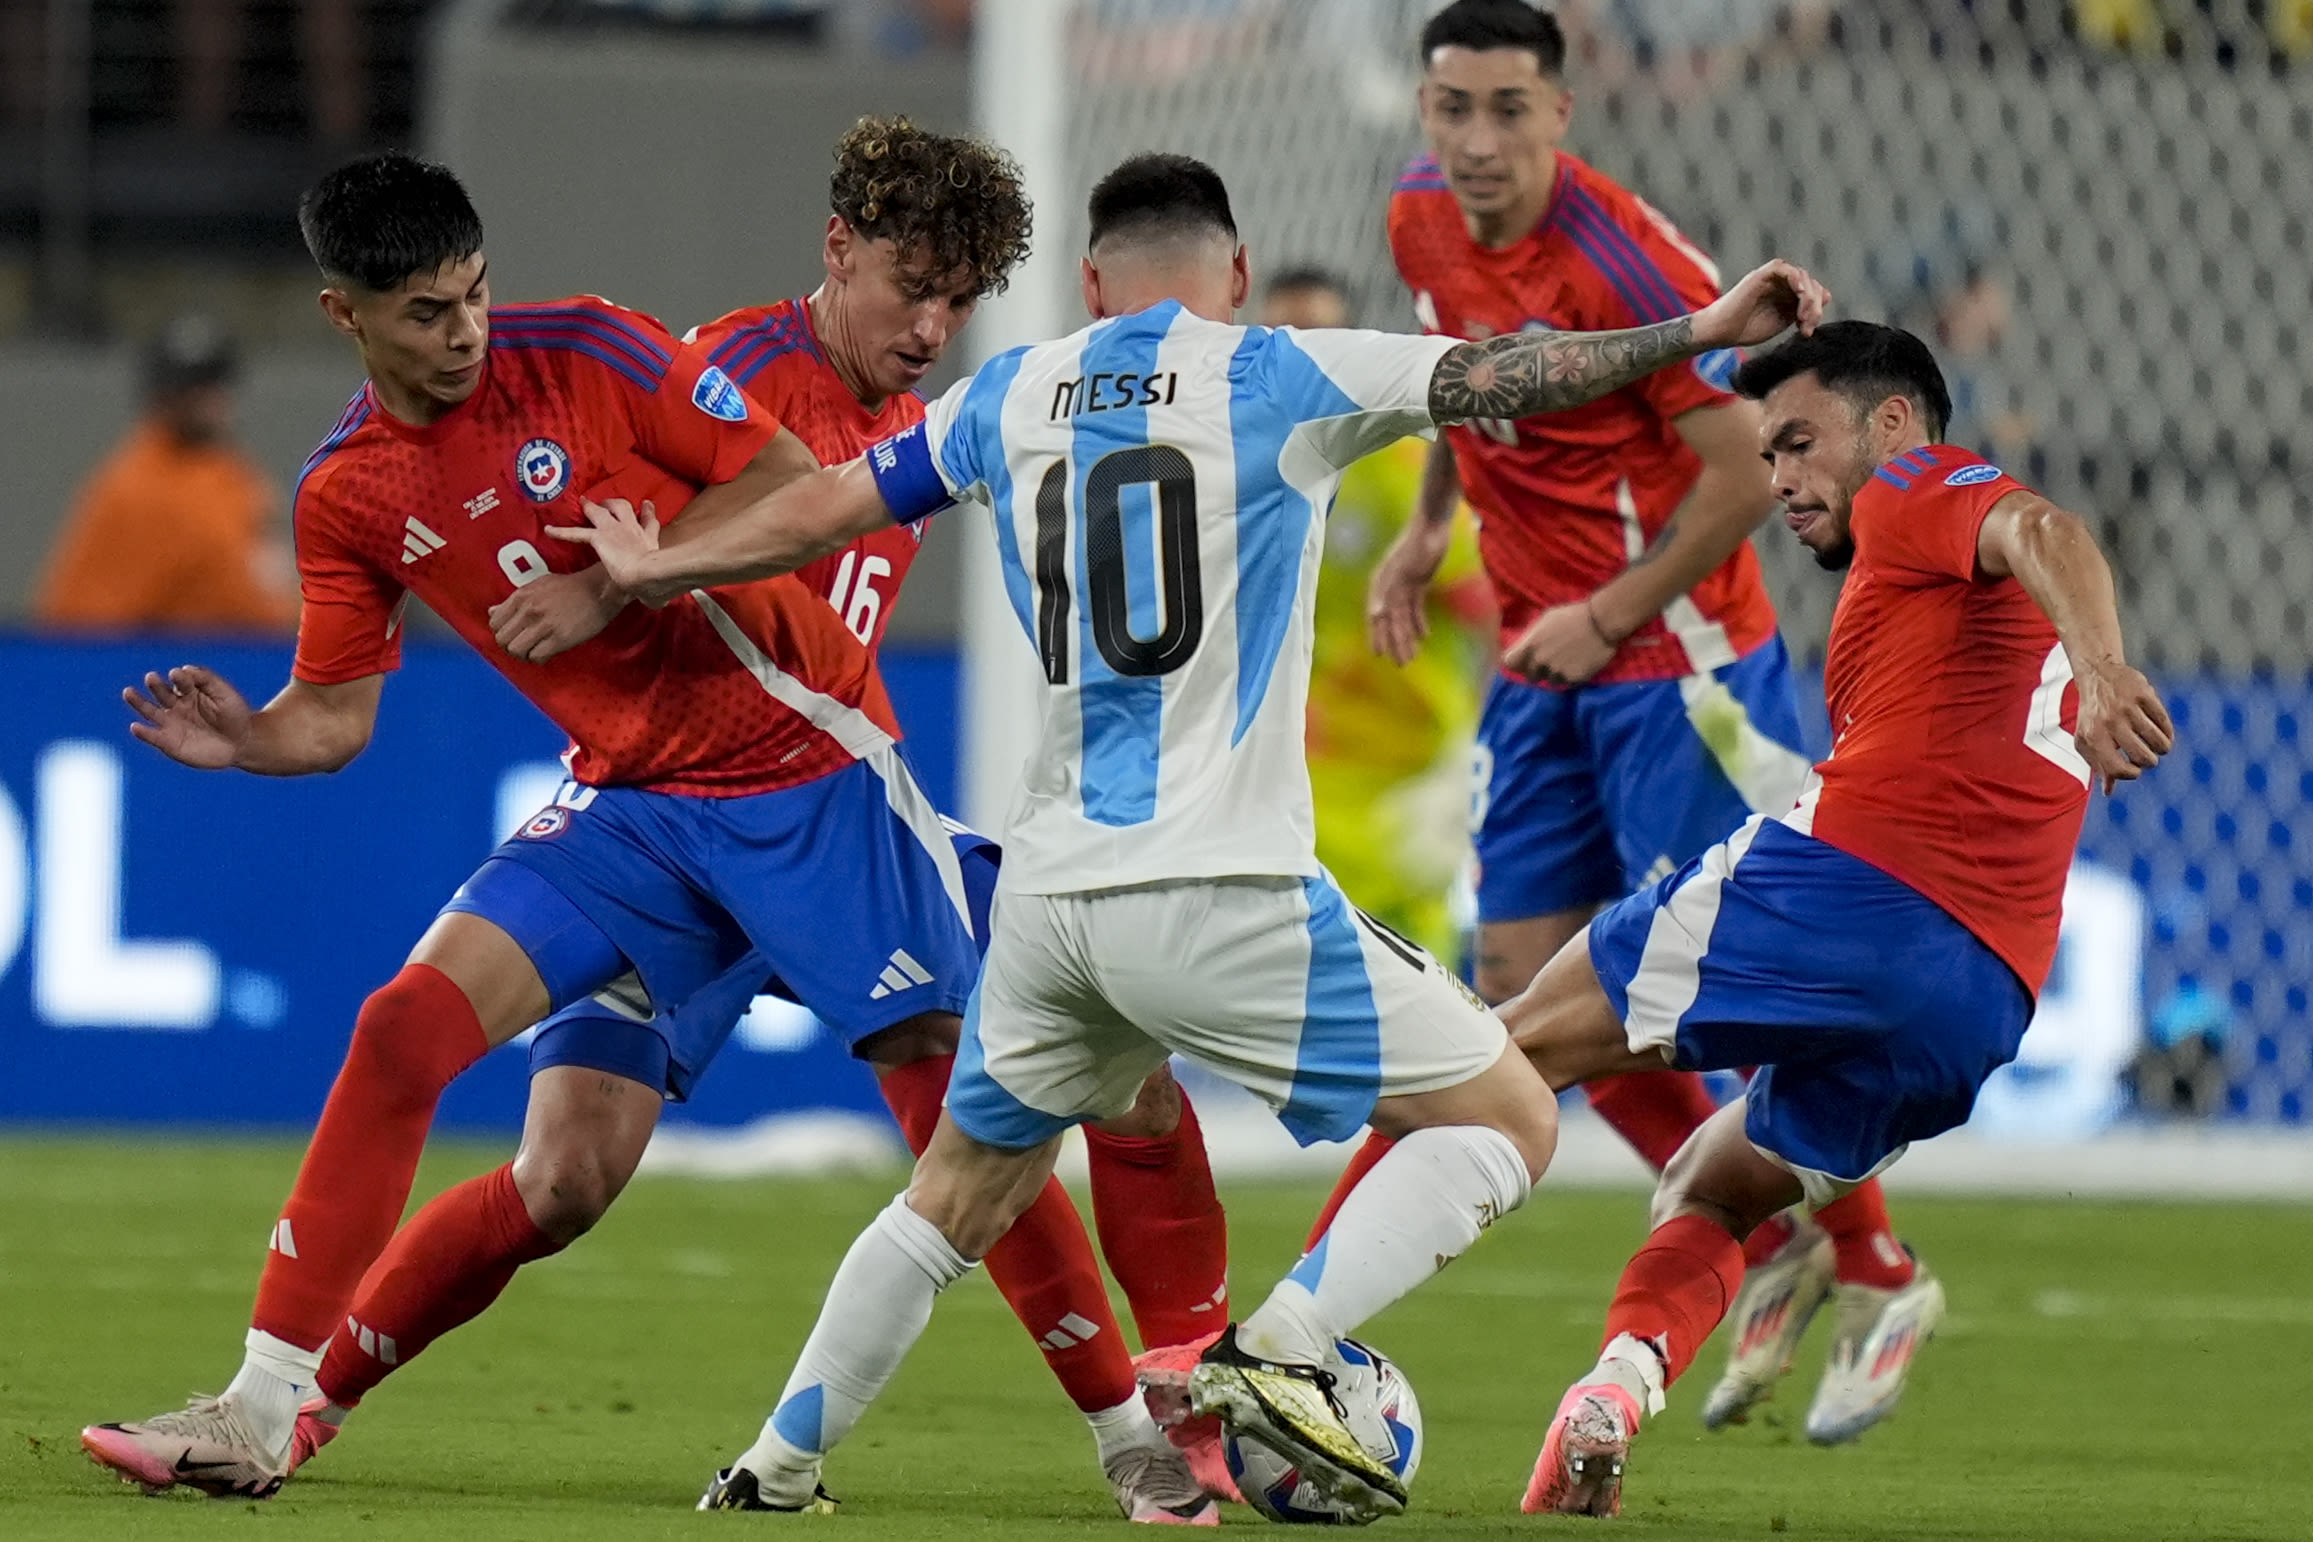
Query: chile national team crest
x=543, y=469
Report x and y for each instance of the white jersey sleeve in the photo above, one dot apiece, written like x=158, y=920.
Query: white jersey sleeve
x=1355, y=392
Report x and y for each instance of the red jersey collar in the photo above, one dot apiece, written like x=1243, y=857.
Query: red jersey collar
x=442, y=427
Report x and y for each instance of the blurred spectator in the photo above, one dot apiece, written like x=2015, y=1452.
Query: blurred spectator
x=210, y=39
x=1389, y=748
x=1683, y=47
x=174, y=530
x=2129, y=26
x=903, y=28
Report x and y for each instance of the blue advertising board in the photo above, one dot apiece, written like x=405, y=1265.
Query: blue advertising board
x=189, y=947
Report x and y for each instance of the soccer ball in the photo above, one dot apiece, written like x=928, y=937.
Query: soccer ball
x=1383, y=1414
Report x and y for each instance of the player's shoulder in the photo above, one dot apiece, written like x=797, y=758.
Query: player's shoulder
x=1627, y=250
x=1934, y=473
x=341, y=447
x=1421, y=210
x=585, y=332
x=746, y=342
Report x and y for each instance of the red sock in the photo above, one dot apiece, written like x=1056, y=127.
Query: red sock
x=1162, y=1229
x=1767, y=1239
x=411, y=1040
x=1654, y=1110
x=1864, y=1239
x=1375, y=1148
x=1044, y=1264
x=1675, y=1289
x=439, y=1272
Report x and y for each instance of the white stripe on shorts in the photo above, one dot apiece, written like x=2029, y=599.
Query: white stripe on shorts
x=924, y=822
x=1670, y=966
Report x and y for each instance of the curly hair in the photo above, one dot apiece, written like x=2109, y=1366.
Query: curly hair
x=957, y=202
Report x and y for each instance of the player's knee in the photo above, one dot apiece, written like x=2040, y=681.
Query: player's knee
x=919, y=1038
x=1155, y=1114
x=565, y=1191
x=406, y=1037
x=1720, y=1177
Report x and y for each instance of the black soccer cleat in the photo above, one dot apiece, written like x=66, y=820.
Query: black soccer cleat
x=735, y=1488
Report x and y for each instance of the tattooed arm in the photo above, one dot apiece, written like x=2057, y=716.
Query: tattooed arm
x=1529, y=372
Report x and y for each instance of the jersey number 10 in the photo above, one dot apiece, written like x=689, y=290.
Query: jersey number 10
x=1173, y=484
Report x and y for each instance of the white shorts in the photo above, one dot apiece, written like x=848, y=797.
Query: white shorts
x=1278, y=984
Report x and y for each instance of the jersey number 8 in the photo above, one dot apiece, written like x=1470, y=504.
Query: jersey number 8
x=1180, y=594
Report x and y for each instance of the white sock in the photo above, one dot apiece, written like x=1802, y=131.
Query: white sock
x=1123, y=1428
x=876, y=1309
x=1421, y=1206
x=1634, y=1365
x=273, y=1380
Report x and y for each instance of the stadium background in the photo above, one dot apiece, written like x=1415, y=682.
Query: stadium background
x=2098, y=209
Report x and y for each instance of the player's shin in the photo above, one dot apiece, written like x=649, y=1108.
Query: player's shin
x=1864, y=1239
x=1363, y=1161
x=876, y=1309
x=441, y=1270
x=1671, y=1295
x=1162, y=1228
x=1422, y=1206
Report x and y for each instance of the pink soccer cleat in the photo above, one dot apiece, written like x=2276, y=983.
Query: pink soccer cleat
x=1580, y=1469
x=205, y=1445
x=1164, y=1386
x=312, y=1433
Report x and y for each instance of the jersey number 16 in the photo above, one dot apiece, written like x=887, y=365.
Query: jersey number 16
x=1180, y=595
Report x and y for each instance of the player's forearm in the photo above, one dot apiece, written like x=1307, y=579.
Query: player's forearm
x=802, y=522
x=1441, y=487
x=1717, y=515
x=2051, y=553
x=306, y=730
x=1523, y=373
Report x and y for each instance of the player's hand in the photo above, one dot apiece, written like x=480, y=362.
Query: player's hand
x=190, y=715
x=556, y=613
x=1397, y=598
x=1769, y=298
x=625, y=541
x=2123, y=729
x=1563, y=647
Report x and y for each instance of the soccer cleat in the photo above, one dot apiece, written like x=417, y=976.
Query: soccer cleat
x=312, y=1433
x=1580, y=1469
x=1164, y=1386
x=1771, y=1312
x=205, y=1445
x=1878, y=1333
x=735, y=1488
x=1154, y=1487
x=1294, y=1410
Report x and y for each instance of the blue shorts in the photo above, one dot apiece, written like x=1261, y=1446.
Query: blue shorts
x=615, y=1032
x=847, y=888
x=1872, y=1015
x=1583, y=795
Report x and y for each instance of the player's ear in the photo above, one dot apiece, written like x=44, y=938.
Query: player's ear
x=1088, y=277
x=837, y=250
x=337, y=306
x=1240, y=279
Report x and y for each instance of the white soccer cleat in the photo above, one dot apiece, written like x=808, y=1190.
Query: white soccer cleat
x=1154, y=1487
x=207, y=1445
x=1878, y=1333
x=1771, y=1312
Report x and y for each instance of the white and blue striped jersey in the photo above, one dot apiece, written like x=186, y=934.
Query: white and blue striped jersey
x=1159, y=484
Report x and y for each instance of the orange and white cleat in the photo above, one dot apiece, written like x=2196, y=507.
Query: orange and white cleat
x=1580, y=1469
x=1877, y=1334
x=1164, y=1386
x=1778, y=1300
x=314, y=1430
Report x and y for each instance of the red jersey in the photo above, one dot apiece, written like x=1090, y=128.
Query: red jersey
x=1566, y=500
x=739, y=690
x=772, y=352
x=1952, y=765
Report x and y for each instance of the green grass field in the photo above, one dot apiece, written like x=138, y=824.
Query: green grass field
x=2108, y=1371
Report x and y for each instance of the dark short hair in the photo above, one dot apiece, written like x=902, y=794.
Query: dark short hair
x=1160, y=195
x=380, y=219
x=1307, y=276
x=1487, y=24
x=1863, y=361
x=950, y=201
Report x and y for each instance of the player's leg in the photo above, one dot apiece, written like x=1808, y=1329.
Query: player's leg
x=986, y=1164
x=873, y=931
x=1162, y=1228
x=467, y=986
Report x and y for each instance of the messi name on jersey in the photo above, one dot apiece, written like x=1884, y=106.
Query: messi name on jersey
x=1107, y=393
